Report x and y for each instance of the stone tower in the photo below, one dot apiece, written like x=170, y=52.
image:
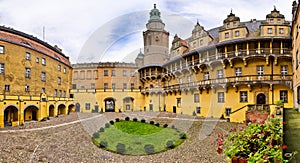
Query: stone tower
x=156, y=40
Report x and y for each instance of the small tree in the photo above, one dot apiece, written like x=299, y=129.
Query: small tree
x=182, y=135
x=152, y=122
x=117, y=120
x=135, y=119
x=107, y=125
x=111, y=122
x=165, y=125
x=143, y=120
x=127, y=118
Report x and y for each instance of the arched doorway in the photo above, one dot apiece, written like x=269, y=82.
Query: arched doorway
x=51, y=111
x=261, y=99
x=61, y=109
x=30, y=113
x=71, y=108
x=109, y=104
x=77, y=107
x=10, y=115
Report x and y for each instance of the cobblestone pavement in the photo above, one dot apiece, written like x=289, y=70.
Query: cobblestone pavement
x=69, y=139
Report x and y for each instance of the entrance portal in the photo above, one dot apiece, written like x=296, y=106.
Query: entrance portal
x=261, y=99
x=109, y=104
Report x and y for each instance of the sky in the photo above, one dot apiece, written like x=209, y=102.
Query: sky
x=101, y=31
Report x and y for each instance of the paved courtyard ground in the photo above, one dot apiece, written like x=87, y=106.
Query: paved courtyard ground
x=68, y=139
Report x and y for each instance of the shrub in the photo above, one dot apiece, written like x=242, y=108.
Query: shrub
x=152, y=122
x=107, y=125
x=135, y=119
x=101, y=129
x=111, y=122
x=96, y=135
x=170, y=144
x=157, y=124
x=117, y=120
x=173, y=127
x=143, y=120
x=121, y=148
x=103, y=144
x=149, y=149
x=127, y=118
x=165, y=125
x=182, y=135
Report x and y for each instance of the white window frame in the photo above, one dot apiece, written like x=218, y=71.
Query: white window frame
x=284, y=70
x=281, y=31
x=227, y=35
x=237, y=33
x=124, y=73
x=270, y=30
x=2, y=50
x=238, y=71
x=220, y=74
x=2, y=68
x=27, y=56
x=43, y=61
x=27, y=72
x=221, y=97
x=43, y=76
x=243, y=96
x=260, y=70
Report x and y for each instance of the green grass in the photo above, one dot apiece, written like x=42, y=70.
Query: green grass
x=292, y=132
x=135, y=135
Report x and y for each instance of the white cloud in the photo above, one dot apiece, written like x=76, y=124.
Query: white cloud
x=73, y=23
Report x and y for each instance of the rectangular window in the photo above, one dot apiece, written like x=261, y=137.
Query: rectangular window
x=198, y=110
x=284, y=70
x=6, y=88
x=27, y=72
x=87, y=106
x=206, y=75
x=60, y=93
x=37, y=60
x=201, y=42
x=1, y=49
x=238, y=71
x=127, y=106
x=58, y=67
x=228, y=25
x=189, y=79
x=113, y=72
x=124, y=73
x=234, y=24
x=260, y=70
x=43, y=76
x=43, y=61
x=196, y=98
x=28, y=56
x=279, y=21
x=113, y=85
x=55, y=92
x=281, y=31
x=228, y=112
x=131, y=73
x=132, y=86
x=105, y=85
x=195, y=44
x=27, y=88
x=43, y=90
x=92, y=85
x=220, y=74
x=237, y=33
x=105, y=72
x=284, y=96
x=178, y=102
x=65, y=94
x=243, y=96
x=124, y=85
x=180, y=80
x=271, y=20
x=73, y=86
x=2, y=70
x=226, y=35
x=65, y=70
x=59, y=81
x=221, y=97
x=270, y=30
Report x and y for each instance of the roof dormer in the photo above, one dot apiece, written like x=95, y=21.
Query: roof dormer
x=231, y=21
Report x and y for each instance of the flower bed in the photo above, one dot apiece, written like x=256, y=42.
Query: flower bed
x=257, y=142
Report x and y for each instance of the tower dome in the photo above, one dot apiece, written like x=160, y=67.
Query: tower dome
x=155, y=14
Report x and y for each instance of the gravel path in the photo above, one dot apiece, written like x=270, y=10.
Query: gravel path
x=69, y=139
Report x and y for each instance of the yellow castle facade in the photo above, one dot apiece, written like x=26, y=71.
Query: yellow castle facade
x=222, y=72
x=35, y=79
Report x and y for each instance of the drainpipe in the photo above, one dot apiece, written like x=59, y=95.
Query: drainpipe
x=272, y=80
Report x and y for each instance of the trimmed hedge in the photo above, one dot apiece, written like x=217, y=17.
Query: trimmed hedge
x=117, y=120
x=149, y=148
x=165, y=125
x=135, y=119
x=182, y=135
x=157, y=124
x=111, y=122
x=107, y=125
x=152, y=122
x=121, y=149
x=103, y=144
x=127, y=118
x=143, y=120
x=101, y=129
x=96, y=135
x=170, y=144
